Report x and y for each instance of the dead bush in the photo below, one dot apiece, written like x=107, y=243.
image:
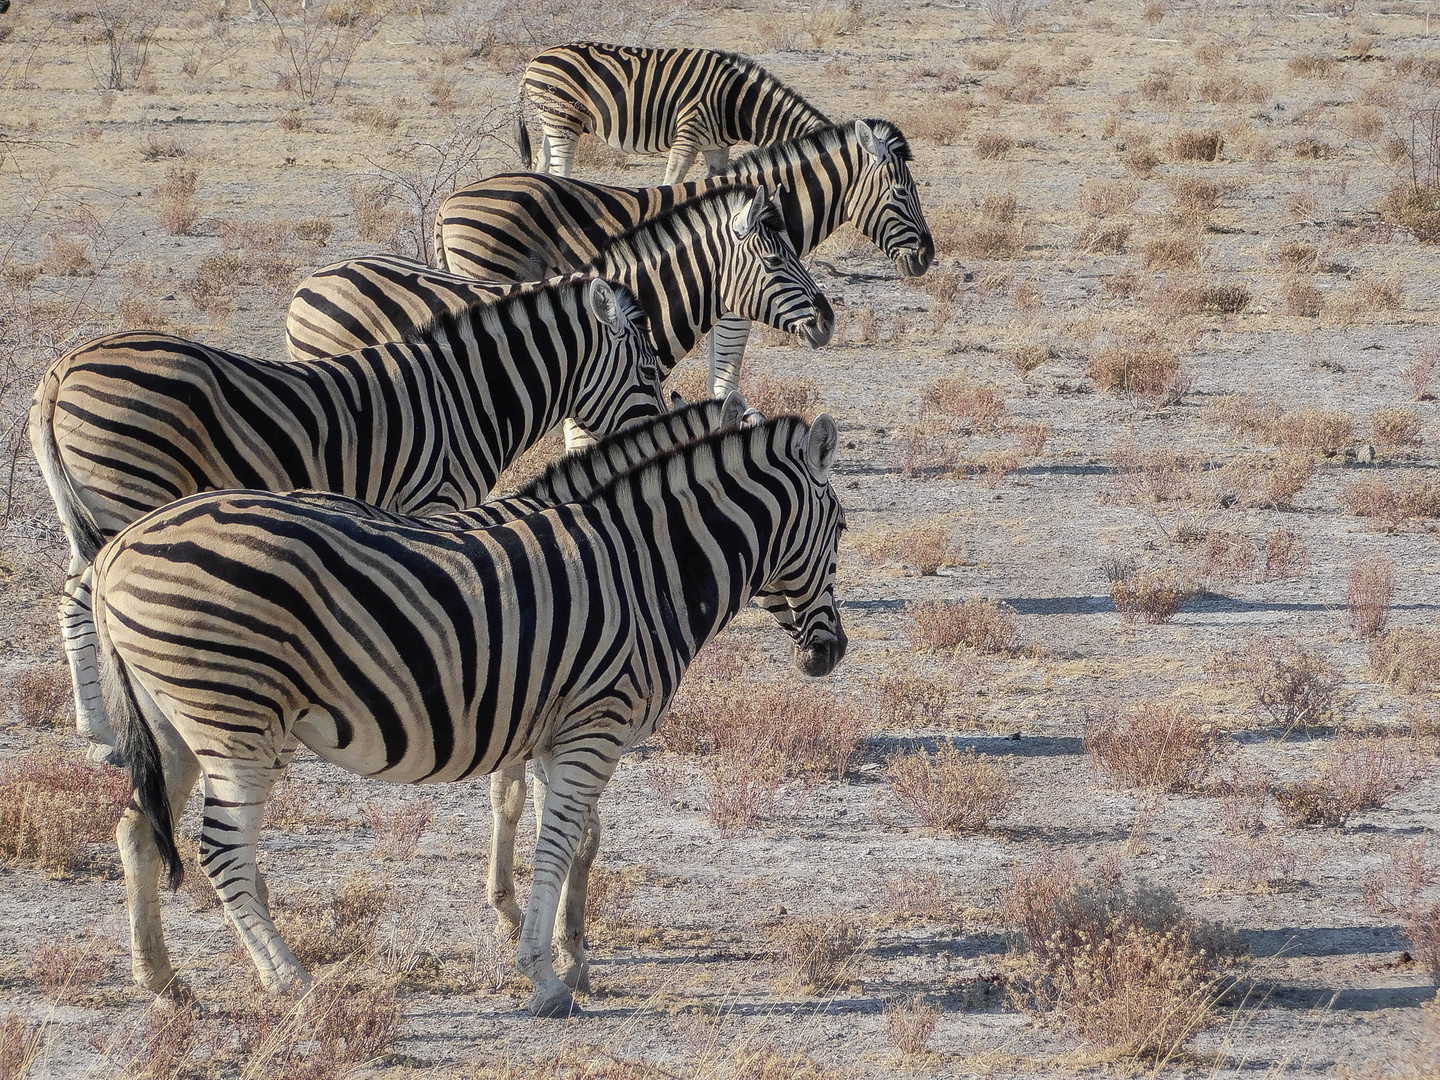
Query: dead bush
x=992, y=146
x=990, y=240
x=1415, y=207
x=816, y=955
x=609, y=906
x=1420, y=373
x=1156, y=746
x=42, y=696
x=1156, y=596
x=986, y=626
x=1195, y=199
x=982, y=407
x=910, y=1022
x=1302, y=298
x=1313, y=150
x=1247, y=414
x=1376, y=500
x=1407, y=658
x=925, y=547
x=1177, y=252
x=324, y=927
x=178, y=213
x=212, y=288
x=1396, y=426
x=1285, y=555
x=1131, y=972
x=66, y=971
x=1033, y=437
x=1316, y=431
x=1195, y=146
x=918, y=895
x=1233, y=90
x=1294, y=686
x=1102, y=239
x=905, y=699
x=776, y=396
x=1255, y=864
x=1357, y=774
x=1227, y=556
x=1141, y=365
x=1140, y=161
x=1102, y=198
x=315, y=51
x=139, y=313
x=941, y=122
x=1243, y=798
x=1270, y=482
x=332, y=1030
x=1372, y=587
x=21, y=1046
x=1422, y=928
x=954, y=791
x=53, y=801
x=1310, y=65
x=1371, y=296
x=398, y=833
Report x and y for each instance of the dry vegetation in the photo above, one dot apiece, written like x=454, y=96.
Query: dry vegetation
x=1181, y=329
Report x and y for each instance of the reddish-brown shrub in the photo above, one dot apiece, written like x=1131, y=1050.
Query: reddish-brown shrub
x=983, y=625
x=1157, y=746
x=955, y=791
x=52, y=801
x=1372, y=587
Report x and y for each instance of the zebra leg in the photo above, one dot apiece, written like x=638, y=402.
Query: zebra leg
x=573, y=787
x=727, y=349
x=683, y=152
x=557, y=150
x=576, y=437
x=572, y=960
x=234, y=809
x=507, y=803
x=77, y=633
x=149, y=959
x=716, y=160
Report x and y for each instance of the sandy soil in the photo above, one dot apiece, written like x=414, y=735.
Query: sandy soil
x=690, y=975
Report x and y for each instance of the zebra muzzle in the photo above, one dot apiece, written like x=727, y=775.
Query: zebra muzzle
x=821, y=653
x=818, y=330
x=913, y=262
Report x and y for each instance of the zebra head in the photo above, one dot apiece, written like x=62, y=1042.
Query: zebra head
x=883, y=203
x=763, y=280
x=801, y=591
x=621, y=384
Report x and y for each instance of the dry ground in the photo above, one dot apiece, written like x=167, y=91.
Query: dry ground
x=1075, y=240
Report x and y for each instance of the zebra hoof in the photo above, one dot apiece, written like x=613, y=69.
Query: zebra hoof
x=557, y=1004
x=101, y=754
x=576, y=977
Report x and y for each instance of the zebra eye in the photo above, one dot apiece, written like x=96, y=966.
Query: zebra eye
x=772, y=261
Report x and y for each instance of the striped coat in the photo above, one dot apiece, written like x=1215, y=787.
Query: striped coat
x=234, y=626
x=681, y=101
x=132, y=421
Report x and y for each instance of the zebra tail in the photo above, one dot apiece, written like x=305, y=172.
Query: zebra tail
x=74, y=515
x=522, y=140
x=138, y=745
x=437, y=240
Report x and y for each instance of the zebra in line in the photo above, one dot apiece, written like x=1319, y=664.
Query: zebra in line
x=524, y=226
x=685, y=101
x=129, y=422
x=716, y=254
x=234, y=626
x=575, y=477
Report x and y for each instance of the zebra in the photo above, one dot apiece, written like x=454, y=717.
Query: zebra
x=686, y=101
x=523, y=226
x=128, y=422
x=573, y=478
x=716, y=254
x=234, y=626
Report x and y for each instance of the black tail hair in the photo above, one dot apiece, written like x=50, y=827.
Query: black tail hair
x=522, y=140
x=137, y=743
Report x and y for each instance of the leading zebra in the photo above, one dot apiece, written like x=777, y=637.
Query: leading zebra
x=129, y=422
x=685, y=101
x=524, y=226
x=420, y=656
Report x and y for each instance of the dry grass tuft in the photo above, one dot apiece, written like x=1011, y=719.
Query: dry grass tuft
x=776, y=396
x=42, y=696
x=910, y=1023
x=1407, y=658
x=398, y=833
x=321, y=928
x=1102, y=198
x=1302, y=298
x=1387, y=506
x=941, y=122
x=982, y=407
x=925, y=547
x=1159, y=747
x=1420, y=374
x=1315, y=431
x=1372, y=587
x=1141, y=365
x=66, y=971
x=1357, y=774
x=1294, y=686
x=1130, y=972
x=1396, y=426
x=1196, y=146
x=1309, y=65
x=1140, y=161
x=52, y=801
x=178, y=213
x=960, y=792
x=1155, y=596
x=918, y=894
x=905, y=699
x=816, y=955
x=983, y=625
x=992, y=146
x=1415, y=207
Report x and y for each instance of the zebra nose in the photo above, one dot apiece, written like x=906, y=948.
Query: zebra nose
x=817, y=332
x=822, y=653
x=915, y=261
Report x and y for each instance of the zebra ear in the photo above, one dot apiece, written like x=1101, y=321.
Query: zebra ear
x=820, y=447
x=734, y=408
x=676, y=401
x=871, y=143
x=600, y=298
x=748, y=218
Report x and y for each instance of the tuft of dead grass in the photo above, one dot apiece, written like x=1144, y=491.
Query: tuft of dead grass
x=42, y=696
x=1372, y=587
x=324, y=926
x=958, y=396
x=1295, y=686
x=1161, y=747
x=816, y=954
x=1156, y=596
x=910, y=1023
x=66, y=971
x=1407, y=658
x=986, y=626
x=1416, y=207
x=1195, y=146
x=959, y=792
x=1356, y=774
x=52, y=802
x=1176, y=252
x=178, y=212
x=992, y=146
x=1141, y=365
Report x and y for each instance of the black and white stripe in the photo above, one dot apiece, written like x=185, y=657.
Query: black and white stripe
x=682, y=101
x=234, y=626
x=132, y=421
x=720, y=253
x=523, y=226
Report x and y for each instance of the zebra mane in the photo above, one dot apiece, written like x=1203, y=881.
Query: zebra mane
x=581, y=462
x=632, y=241
x=447, y=323
x=747, y=65
x=820, y=141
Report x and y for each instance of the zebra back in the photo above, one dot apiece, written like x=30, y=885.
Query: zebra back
x=131, y=421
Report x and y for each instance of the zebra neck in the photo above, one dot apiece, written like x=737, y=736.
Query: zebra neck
x=767, y=111
x=813, y=187
x=676, y=286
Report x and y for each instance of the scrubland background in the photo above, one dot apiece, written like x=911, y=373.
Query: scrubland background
x=1132, y=765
